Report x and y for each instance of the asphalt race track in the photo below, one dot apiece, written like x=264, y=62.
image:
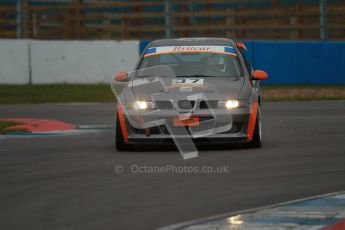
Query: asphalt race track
x=69, y=181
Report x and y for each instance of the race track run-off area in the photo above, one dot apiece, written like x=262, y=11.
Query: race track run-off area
x=73, y=181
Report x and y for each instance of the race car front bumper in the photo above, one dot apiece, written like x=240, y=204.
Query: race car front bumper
x=160, y=134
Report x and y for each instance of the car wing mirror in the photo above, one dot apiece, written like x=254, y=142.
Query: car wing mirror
x=241, y=45
x=259, y=75
x=121, y=76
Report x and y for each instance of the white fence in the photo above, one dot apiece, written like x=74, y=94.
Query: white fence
x=44, y=62
x=14, y=62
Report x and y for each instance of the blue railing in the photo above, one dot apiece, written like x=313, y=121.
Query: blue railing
x=289, y=62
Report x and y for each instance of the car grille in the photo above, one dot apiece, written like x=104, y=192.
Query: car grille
x=212, y=104
x=185, y=104
x=164, y=105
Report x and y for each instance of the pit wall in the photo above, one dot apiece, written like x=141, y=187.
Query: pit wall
x=293, y=62
x=44, y=62
x=299, y=62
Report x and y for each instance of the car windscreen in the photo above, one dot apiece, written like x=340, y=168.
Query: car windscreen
x=213, y=61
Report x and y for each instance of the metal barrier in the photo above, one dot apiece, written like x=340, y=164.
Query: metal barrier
x=24, y=61
x=295, y=62
x=245, y=19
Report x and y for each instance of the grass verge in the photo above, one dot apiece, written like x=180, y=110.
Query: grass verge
x=6, y=124
x=303, y=92
x=52, y=93
x=22, y=94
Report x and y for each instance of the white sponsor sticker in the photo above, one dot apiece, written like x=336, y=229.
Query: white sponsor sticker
x=186, y=89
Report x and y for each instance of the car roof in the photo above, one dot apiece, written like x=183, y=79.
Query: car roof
x=191, y=41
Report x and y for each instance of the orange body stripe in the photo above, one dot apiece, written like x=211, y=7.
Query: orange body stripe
x=252, y=120
x=340, y=225
x=122, y=122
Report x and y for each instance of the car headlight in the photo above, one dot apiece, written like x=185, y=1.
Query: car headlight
x=231, y=104
x=143, y=105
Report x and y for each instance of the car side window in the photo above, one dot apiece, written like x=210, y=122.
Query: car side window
x=246, y=62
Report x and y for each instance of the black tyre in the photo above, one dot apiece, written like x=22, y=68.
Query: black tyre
x=120, y=143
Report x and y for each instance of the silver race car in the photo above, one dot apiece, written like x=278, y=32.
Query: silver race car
x=202, y=90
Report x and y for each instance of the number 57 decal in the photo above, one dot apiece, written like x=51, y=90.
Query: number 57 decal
x=187, y=81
